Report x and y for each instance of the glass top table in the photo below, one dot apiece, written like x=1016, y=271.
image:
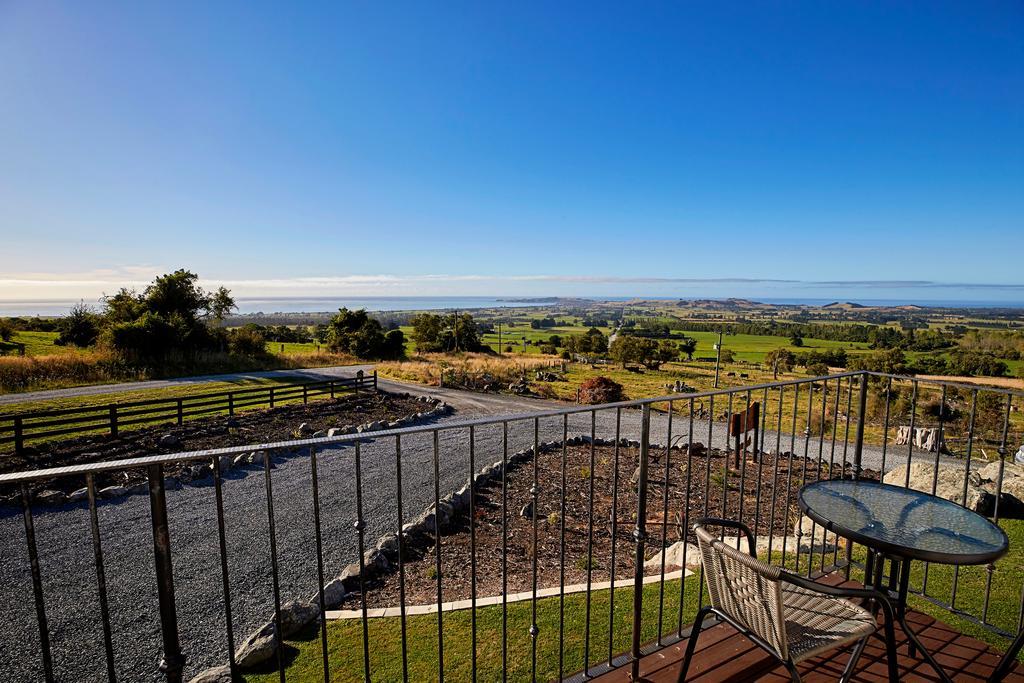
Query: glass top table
x=902, y=522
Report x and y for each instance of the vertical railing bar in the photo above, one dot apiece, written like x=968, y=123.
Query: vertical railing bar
x=759, y=456
x=707, y=487
x=935, y=473
x=319, y=561
x=37, y=584
x=504, y=551
x=885, y=426
x=360, y=527
x=990, y=567
x=101, y=579
x=401, y=559
x=590, y=543
x=725, y=460
x=664, y=524
x=967, y=472
x=639, y=535
x=273, y=565
x=789, y=478
x=910, y=440
x=224, y=576
x=472, y=553
x=803, y=476
x=742, y=455
x=561, y=552
x=437, y=546
x=534, y=490
x=172, y=662
x=775, y=475
x=685, y=521
x=614, y=522
x=846, y=448
x=817, y=476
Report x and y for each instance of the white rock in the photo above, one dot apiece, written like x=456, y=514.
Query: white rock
x=258, y=647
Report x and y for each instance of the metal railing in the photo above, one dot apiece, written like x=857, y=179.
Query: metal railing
x=807, y=429
x=27, y=427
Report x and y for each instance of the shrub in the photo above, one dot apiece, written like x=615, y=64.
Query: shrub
x=600, y=390
x=247, y=341
x=6, y=329
x=79, y=328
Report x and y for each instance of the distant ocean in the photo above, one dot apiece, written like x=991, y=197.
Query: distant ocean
x=425, y=303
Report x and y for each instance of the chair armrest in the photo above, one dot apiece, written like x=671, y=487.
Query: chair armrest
x=731, y=524
x=839, y=592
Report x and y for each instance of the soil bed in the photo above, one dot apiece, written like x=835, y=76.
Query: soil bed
x=220, y=431
x=420, y=571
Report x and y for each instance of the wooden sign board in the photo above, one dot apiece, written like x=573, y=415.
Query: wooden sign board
x=743, y=422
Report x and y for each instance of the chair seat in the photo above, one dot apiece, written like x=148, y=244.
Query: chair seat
x=816, y=623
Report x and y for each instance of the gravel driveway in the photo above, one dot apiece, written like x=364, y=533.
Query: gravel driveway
x=66, y=559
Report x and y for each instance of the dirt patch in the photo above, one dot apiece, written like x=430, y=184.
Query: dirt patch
x=250, y=427
x=711, y=484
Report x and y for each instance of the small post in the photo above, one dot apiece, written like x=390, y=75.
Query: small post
x=19, y=434
x=359, y=382
x=718, y=360
x=231, y=403
x=640, y=535
x=113, y=420
x=375, y=380
x=862, y=406
x=271, y=397
x=181, y=413
x=305, y=393
x=173, y=661
x=332, y=388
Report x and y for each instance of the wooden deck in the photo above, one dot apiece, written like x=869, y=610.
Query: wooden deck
x=724, y=655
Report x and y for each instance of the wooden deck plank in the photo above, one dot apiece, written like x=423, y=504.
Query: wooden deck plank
x=722, y=654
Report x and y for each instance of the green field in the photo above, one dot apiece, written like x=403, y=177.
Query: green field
x=36, y=344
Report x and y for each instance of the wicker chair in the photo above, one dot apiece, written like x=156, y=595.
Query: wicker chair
x=790, y=617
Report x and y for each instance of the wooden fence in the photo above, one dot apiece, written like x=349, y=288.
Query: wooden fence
x=23, y=428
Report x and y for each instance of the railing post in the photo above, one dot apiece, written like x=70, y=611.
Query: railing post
x=113, y=420
x=19, y=434
x=639, y=535
x=173, y=661
x=862, y=409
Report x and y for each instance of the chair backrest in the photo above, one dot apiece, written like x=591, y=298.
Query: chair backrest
x=744, y=588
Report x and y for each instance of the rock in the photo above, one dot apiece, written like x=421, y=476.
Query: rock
x=139, y=489
x=112, y=492
x=395, y=424
x=232, y=423
x=318, y=434
x=78, y=495
x=296, y=615
x=218, y=674
x=527, y=511
x=335, y=431
x=334, y=593
x=50, y=497
x=226, y=462
x=949, y=484
x=241, y=459
x=1011, y=493
x=304, y=429
x=169, y=441
x=258, y=647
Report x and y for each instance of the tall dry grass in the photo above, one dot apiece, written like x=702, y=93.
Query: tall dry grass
x=28, y=373
x=468, y=370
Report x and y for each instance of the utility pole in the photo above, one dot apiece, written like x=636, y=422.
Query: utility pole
x=718, y=361
x=456, y=330
x=499, y=339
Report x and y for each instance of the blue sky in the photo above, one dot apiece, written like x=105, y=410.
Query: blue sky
x=514, y=148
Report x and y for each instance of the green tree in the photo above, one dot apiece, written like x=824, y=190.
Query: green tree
x=79, y=328
x=6, y=329
x=357, y=334
x=688, y=345
x=796, y=340
x=780, y=360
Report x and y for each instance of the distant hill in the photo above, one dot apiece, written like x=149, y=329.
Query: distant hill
x=845, y=305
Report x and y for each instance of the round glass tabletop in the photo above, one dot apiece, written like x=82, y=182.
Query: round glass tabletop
x=903, y=522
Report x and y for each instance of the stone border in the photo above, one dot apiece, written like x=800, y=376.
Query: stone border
x=261, y=645
x=201, y=474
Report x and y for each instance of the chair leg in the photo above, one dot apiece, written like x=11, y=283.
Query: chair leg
x=854, y=657
x=794, y=675
x=691, y=642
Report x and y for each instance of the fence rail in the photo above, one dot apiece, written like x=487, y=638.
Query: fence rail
x=21, y=429
x=798, y=438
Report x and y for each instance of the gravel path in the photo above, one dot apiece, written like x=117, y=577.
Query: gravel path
x=66, y=559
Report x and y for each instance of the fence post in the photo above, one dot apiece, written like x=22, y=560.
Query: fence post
x=305, y=393
x=19, y=434
x=858, y=451
x=640, y=535
x=181, y=413
x=113, y=420
x=375, y=380
x=271, y=397
x=173, y=661
x=332, y=388
x=231, y=403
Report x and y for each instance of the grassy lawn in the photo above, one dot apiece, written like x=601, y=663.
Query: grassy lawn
x=304, y=658
x=36, y=344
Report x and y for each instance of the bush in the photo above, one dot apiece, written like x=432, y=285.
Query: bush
x=247, y=341
x=80, y=328
x=6, y=329
x=600, y=390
